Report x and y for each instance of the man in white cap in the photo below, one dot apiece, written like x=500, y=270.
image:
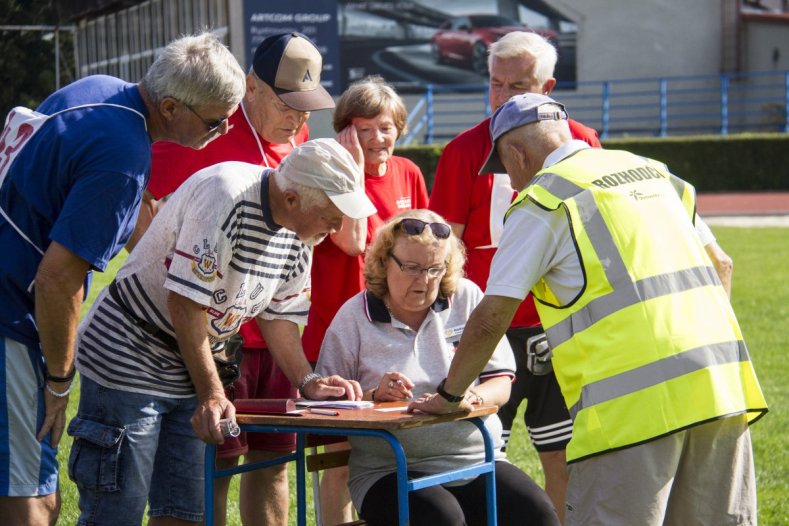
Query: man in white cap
x=282, y=88
x=646, y=347
x=234, y=243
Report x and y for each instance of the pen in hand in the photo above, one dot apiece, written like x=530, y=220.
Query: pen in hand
x=327, y=412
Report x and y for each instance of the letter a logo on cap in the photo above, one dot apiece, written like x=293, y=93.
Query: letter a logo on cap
x=307, y=77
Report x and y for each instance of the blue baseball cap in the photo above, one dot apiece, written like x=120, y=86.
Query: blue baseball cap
x=519, y=111
x=291, y=65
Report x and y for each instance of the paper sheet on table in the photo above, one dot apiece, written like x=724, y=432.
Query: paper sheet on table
x=335, y=404
x=392, y=409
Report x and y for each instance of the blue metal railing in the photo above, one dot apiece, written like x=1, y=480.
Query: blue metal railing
x=660, y=106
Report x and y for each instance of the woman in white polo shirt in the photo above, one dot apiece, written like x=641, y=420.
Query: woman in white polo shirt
x=397, y=338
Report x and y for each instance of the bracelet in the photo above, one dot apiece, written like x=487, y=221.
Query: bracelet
x=372, y=394
x=69, y=376
x=307, y=379
x=54, y=393
x=478, y=398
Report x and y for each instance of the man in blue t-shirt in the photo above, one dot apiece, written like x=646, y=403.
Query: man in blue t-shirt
x=69, y=202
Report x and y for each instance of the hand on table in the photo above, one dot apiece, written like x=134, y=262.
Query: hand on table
x=436, y=404
x=393, y=387
x=333, y=387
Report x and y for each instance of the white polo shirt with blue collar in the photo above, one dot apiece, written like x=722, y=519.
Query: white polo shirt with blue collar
x=364, y=342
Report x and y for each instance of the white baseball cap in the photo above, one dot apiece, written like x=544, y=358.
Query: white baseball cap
x=326, y=165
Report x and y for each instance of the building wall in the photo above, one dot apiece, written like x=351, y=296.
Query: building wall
x=766, y=44
x=647, y=38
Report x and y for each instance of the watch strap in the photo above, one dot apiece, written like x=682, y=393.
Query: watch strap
x=447, y=396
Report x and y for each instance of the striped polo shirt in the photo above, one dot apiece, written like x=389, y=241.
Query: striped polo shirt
x=216, y=243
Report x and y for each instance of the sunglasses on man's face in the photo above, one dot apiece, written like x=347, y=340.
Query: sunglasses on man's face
x=414, y=227
x=210, y=125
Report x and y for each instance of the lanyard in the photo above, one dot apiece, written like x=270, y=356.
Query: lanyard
x=256, y=135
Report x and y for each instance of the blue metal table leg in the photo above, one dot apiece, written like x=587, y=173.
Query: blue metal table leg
x=301, y=481
x=490, y=478
x=208, y=492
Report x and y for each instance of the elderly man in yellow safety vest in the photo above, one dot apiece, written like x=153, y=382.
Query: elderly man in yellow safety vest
x=646, y=347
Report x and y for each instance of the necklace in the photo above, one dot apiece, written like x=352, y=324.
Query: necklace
x=388, y=309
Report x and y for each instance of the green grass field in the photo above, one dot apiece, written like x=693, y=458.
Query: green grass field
x=761, y=301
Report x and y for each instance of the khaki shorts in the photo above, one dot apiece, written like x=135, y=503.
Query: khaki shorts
x=701, y=476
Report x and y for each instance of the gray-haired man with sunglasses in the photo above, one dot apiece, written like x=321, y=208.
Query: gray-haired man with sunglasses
x=70, y=200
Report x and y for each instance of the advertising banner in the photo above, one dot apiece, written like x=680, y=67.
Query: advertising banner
x=315, y=18
x=411, y=43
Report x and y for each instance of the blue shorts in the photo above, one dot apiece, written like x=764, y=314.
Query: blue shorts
x=28, y=468
x=132, y=448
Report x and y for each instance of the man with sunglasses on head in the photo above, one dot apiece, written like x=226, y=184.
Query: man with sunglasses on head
x=69, y=202
x=282, y=88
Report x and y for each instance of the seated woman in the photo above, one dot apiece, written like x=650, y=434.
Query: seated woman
x=369, y=118
x=397, y=339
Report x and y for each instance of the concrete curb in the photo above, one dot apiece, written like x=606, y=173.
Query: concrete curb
x=746, y=221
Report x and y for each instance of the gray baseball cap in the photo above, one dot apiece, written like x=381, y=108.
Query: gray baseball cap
x=326, y=165
x=516, y=112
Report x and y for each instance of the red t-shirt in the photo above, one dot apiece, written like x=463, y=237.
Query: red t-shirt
x=337, y=276
x=480, y=201
x=172, y=164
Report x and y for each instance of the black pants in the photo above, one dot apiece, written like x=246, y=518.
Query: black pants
x=545, y=404
x=519, y=502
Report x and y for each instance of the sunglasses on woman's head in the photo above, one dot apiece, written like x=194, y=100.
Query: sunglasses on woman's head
x=414, y=227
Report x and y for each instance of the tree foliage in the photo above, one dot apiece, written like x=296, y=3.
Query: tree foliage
x=27, y=58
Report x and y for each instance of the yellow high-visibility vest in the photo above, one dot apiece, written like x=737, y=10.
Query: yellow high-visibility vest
x=650, y=345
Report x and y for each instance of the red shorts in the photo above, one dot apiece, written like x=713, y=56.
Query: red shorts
x=260, y=378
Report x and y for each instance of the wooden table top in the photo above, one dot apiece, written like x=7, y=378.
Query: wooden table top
x=394, y=417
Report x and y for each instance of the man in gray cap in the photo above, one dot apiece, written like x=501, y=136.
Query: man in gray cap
x=637, y=319
x=282, y=88
x=233, y=244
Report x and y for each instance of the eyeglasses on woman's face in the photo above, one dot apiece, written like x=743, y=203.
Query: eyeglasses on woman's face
x=414, y=270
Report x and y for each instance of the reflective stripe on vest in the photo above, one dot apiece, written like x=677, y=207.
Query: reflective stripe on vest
x=633, y=353
x=625, y=292
x=659, y=372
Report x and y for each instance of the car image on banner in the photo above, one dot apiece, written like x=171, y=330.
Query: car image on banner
x=465, y=39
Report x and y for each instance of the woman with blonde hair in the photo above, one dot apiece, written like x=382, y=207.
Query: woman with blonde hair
x=397, y=339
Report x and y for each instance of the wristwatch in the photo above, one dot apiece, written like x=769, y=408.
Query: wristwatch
x=311, y=377
x=454, y=399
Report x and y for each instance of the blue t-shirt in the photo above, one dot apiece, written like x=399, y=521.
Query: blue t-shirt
x=79, y=182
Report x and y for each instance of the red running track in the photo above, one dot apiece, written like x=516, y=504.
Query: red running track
x=758, y=203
